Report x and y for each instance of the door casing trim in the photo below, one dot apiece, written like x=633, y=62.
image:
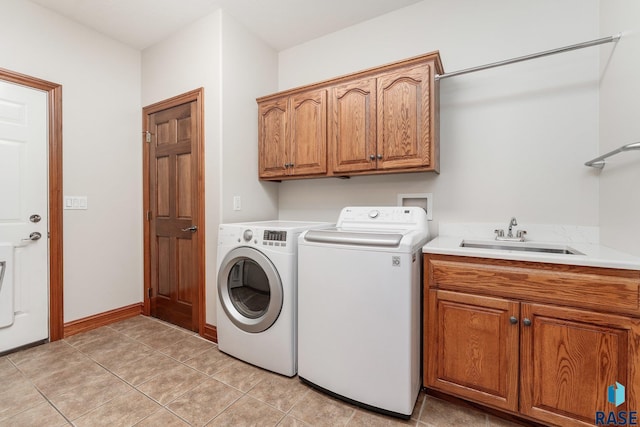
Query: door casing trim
x=54, y=111
x=196, y=96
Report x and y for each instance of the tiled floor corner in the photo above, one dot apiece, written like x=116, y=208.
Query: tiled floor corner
x=144, y=372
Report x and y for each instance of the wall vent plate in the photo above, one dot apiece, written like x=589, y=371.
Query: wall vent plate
x=421, y=200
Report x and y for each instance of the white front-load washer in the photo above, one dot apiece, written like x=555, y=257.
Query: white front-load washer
x=257, y=292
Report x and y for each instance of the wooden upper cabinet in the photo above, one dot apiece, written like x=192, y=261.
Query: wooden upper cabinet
x=352, y=130
x=272, y=138
x=380, y=120
x=292, y=135
x=308, y=144
x=405, y=109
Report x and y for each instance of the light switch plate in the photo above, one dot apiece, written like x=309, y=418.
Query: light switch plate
x=75, y=203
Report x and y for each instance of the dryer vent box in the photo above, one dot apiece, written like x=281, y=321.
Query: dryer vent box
x=421, y=200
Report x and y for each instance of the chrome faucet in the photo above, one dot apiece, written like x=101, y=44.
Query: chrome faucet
x=512, y=224
x=519, y=237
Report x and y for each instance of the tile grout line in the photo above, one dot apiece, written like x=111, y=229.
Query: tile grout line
x=40, y=392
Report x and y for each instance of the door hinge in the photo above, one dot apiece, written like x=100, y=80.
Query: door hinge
x=147, y=135
x=148, y=215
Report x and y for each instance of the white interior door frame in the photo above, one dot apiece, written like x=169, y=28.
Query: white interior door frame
x=54, y=99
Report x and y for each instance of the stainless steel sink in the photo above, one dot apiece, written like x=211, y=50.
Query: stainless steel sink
x=520, y=246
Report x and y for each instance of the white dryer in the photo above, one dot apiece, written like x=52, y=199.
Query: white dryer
x=257, y=292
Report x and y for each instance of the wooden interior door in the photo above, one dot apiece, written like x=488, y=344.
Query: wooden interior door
x=175, y=218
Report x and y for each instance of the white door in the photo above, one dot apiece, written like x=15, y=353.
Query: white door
x=24, y=270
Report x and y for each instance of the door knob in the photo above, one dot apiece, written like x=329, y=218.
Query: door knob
x=35, y=218
x=34, y=236
x=192, y=229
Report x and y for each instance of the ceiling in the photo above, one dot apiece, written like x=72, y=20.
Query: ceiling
x=281, y=23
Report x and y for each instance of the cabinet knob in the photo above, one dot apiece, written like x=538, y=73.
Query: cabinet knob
x=291, y=165
x=527, y=322
x=513, y=320
x=372, y=157
x=286, y=165
x=379, y=156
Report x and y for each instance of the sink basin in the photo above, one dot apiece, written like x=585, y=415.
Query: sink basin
x=520, y=246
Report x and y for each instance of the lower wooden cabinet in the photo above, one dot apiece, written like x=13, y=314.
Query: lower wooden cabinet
x=569, y=358
x=473, y=347
x=538, y=359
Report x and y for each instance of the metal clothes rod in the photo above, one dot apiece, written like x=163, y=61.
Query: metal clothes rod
x=531, y=56
x=598, y=162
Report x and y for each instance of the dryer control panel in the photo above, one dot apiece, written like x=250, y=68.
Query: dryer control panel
x=276, y=236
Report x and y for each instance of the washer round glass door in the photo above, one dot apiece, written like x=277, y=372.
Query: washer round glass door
x=250, y=289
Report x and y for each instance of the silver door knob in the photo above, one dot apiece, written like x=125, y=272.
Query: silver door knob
x=192, y=229
x=35, y=218
x=34, y=236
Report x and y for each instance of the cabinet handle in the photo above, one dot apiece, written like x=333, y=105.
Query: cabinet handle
x=286, y=165
x=379, y=156
x=372, y=157
x=291, y=165
x=513, y=320
x=527, y=322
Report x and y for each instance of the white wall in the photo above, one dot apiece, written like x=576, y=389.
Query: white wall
x=102, y=157
x=619, y=125
x=234, y=67
x=513, y=139
x=249, y=70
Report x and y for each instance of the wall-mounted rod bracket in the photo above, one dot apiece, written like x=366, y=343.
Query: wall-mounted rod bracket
x=598, y=162
x=595, y=42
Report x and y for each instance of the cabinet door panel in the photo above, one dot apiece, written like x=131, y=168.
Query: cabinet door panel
x=473, y=347
x=272, y=138
x=308, y=147
x=404, y=108
x=569, y=358
x=352, y=132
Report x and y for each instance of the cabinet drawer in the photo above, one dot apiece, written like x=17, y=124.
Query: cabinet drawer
x=603, y=289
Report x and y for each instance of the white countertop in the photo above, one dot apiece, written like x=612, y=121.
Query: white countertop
x=593, y=254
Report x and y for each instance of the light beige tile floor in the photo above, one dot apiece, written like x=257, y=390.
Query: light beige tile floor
x=145, y=372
